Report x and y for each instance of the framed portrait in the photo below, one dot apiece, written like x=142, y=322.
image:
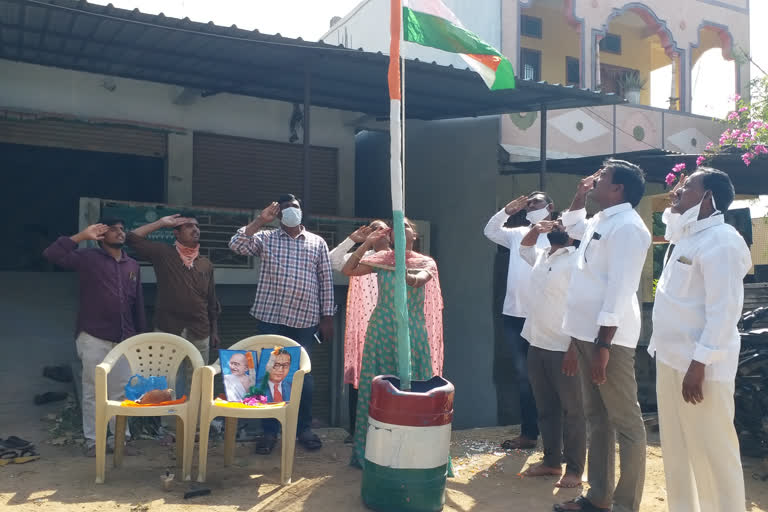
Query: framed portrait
x=276, y=369
x=239, y=371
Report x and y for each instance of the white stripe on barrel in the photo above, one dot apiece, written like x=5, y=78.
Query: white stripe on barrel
x=402, y=447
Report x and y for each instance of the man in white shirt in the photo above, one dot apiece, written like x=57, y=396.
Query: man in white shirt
x=354, y=332
x=699, y=299
x=552, y=359
x=539, y=207
x=603, y=318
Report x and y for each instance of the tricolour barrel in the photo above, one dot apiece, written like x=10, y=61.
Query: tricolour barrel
x=407, y=447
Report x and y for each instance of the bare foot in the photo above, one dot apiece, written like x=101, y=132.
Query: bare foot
x=519, y=443
x=569, y=481
x=541, y=470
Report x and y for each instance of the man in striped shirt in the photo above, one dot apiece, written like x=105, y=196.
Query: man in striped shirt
x=294, y=297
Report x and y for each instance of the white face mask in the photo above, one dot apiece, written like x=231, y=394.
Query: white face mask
x=537, y=216
x=677, y=222
x=291, y=217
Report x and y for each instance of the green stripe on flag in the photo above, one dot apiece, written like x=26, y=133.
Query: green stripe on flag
x=436, y=32
x=505, y=76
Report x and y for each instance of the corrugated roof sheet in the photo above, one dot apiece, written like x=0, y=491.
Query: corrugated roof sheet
x=107, y=40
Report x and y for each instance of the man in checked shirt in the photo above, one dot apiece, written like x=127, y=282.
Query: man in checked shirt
x=294, y=297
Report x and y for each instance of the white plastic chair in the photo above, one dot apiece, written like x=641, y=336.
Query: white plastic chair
x=154, y=354
x=287, y=414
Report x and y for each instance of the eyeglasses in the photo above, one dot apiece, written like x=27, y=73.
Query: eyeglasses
x=281, y=366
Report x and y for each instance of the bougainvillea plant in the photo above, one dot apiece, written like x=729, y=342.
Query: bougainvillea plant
x=747, y=131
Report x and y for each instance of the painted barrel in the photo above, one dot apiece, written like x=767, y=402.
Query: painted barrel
x=408, y=445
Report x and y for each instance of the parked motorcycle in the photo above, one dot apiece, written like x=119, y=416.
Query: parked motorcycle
x=751, y=396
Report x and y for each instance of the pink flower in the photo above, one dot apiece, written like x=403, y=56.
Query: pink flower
x=743, y=109
x=679, y=167
x=736, y=97
x=255, y=400
x=710, y=145
x=700, y=160
x=733, y=116
x=747, y=158
x=760, y=149
x=670, y=179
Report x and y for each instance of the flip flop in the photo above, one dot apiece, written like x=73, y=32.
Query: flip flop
x=584, y=506
x=49, y=396
x=14, y=442
x=18, y=455
x=310, y=441
x=8, y=454
x=24, y=460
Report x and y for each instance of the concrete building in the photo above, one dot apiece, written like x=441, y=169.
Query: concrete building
x=593, y=44
x=66, y=134
x=103, y=108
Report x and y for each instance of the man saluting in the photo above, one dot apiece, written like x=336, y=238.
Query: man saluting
x=699, y=299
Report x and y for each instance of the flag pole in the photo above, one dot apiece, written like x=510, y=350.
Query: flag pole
x=402, y=122
x=397, y=187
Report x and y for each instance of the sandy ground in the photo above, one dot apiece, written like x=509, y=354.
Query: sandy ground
x=487, y=480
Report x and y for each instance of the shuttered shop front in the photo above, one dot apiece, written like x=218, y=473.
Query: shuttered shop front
x=84, y=136
x=236, y=172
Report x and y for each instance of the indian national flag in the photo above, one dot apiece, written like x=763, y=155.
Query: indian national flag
x=431, y=23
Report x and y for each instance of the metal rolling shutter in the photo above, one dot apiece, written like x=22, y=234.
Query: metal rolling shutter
x=84, y=136
x=236, y=172
x=236, y=323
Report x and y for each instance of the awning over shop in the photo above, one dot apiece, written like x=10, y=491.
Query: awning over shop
x=210, y=59
x=657, y=164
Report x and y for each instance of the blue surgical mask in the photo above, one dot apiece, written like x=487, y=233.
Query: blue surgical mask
x=291, y=217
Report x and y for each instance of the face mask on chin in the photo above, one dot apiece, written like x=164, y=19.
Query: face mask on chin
x=677, y=222
x=537, y=216
x=291, y=217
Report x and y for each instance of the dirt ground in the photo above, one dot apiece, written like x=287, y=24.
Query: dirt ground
x=487, y=480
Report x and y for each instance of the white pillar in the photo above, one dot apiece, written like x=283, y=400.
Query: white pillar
x=686, y=81
x=673, y=79
x=596, y=52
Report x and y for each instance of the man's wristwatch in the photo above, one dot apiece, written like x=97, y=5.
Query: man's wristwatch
x=602, y=344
